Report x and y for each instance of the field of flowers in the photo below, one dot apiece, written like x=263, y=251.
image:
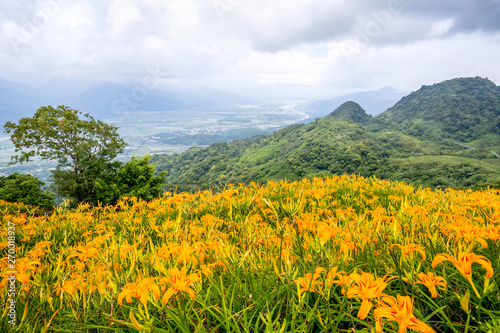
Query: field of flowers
x=339, y=254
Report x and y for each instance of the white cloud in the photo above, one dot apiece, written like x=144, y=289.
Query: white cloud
x=122, y=14
x=442, y=27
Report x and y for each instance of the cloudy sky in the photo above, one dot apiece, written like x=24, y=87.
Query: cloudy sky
x=302, y=47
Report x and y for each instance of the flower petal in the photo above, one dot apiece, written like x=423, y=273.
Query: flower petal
x=442, y=257
x=366, y=305
x=169, y=293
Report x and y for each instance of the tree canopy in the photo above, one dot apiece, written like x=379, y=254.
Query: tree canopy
x=85, y=149
x=59, y=134
x=25, y=189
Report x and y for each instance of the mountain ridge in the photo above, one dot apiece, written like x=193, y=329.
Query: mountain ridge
x=336, y=144
x=104, y=100
x=461, y=109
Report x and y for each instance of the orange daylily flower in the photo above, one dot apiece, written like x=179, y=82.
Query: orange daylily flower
x=400, y=311
x=125, y=249
x=344, y=280
x=471, y=233
x=310, y=281
x=23, y=267
x=70, y=286
x=139, y=290
x=431, y=281
x=493, y=232
x=332, y=274
x=39, y=249
x=408, y=249
x=365, y=287
x=464, y=263
x=179, y=281
x=325, y=232
x=348, y=246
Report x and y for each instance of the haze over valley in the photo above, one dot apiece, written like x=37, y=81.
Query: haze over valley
x=165, y=122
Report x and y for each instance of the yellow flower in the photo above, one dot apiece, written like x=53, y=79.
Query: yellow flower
x=400, y=311
x=23, y=266
x=410, y=248
x=310, y=282
x=139, y=290
x=431, y=281
x=178, y=282
x=464, y=263
x=365, y=288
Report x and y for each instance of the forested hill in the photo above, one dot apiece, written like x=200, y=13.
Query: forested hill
x=464, y=109
x=351, y=111
x=414, y=141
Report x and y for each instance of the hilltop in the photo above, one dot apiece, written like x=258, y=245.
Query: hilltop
x=415, y=141
x=351, y=111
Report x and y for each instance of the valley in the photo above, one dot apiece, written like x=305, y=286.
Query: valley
x=168, y=132
x=444, y=135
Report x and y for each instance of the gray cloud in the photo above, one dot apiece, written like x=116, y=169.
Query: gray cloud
x=249, y=42
x=389, y=21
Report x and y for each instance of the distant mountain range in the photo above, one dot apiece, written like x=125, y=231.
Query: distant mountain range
x=445, y=135
x=104, y=100
x=17, y=100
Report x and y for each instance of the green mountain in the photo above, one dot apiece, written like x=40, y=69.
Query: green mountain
x=351, y=111
x=463, y=110
x=414, y=141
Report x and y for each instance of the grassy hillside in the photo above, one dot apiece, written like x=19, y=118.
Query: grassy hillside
x=326, y=146
x=339, y=254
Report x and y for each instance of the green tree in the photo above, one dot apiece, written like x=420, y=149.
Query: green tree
x=137, y=178
x=96, y=184
x=84, y=148
x=26, y=189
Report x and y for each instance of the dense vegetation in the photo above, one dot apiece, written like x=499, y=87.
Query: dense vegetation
x=463, y=110
x=338, y=254
x=419, y=140
x=25, y=189
x=351, y=111
x=85, y=150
